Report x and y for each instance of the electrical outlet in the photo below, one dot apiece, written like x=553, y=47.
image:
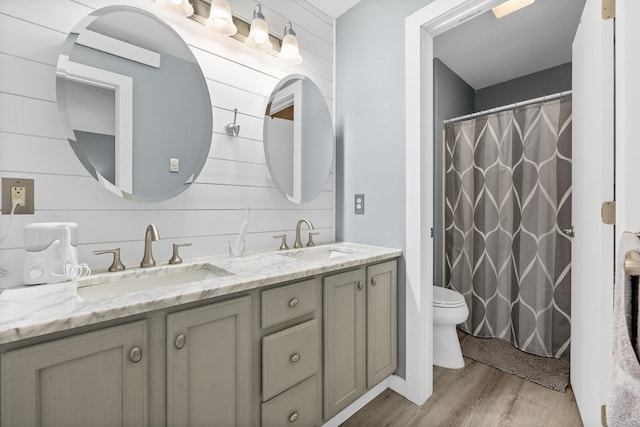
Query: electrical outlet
x=359, y=204
x=18, y=190
x=18, y=195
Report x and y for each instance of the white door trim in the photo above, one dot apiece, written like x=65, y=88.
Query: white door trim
x=420, y=28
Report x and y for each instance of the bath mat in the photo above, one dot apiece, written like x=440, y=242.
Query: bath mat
x=500, y=354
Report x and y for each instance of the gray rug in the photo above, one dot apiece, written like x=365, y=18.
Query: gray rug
x=500, y=354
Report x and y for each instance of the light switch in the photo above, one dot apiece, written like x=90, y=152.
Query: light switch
x=174, y=165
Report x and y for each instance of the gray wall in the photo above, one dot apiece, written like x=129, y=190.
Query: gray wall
x=545, y=82
x=453, y=97
x=370, y=119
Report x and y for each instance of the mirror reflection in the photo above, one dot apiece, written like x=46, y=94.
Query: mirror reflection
x=134, y=103
x=298, y=139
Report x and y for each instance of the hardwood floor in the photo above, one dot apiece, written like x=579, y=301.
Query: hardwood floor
x=475, y=396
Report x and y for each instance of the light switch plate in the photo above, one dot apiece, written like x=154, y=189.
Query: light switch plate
x=359, y=204
x=7, y=183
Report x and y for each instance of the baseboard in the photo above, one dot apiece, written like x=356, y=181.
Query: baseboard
x=347, y=412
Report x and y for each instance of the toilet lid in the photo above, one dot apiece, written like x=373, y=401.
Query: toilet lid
x=443, y=297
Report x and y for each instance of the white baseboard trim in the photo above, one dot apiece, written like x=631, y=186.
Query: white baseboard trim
x=347, y=412
x=399, y=385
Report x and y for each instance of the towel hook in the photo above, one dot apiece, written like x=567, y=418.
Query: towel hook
x=232, y=128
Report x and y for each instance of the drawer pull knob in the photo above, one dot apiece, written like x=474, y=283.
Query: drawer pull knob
x=295, y=358
x=373, y=281
x=293, y=417
x=293, y=302
x=181, y=340
x=135, y=355
x=360, y=285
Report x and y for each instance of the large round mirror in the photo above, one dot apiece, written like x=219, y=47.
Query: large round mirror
x=134, y=103
x=298, y=139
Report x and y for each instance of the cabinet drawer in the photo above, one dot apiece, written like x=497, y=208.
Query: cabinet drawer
x=298, y=406
x=288, y=302
x=289, y=357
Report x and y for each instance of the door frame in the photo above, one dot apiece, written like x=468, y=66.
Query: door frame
x=420, y=29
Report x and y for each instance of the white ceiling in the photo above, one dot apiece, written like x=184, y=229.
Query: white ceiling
x=333, y=8
x=485, y=50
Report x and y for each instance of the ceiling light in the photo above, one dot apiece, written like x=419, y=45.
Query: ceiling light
x=289, y=51
x=259, y=33
x=220, y=19
x=510, y=6
x=180, y=7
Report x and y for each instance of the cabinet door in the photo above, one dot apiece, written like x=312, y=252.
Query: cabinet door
x=92, y=379
x=344, y=340
x=209, y=365
x=381, y=322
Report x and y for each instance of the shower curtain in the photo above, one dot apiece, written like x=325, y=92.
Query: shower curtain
x=507, y=199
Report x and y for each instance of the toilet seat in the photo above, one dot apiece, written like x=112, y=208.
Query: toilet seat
x=446, y=298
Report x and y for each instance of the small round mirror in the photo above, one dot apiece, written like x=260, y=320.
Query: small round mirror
x=134, y=103
x=298, y=139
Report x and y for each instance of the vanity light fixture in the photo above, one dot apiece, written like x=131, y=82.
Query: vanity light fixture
x=220, y=19
x=289, y=51
x=258, y=37
x=510, y=6
x=180, y=7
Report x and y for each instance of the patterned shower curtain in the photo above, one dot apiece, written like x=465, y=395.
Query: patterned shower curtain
x=507, y=200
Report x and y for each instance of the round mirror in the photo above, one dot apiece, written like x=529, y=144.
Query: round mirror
x=298, y=139
x=134, y=103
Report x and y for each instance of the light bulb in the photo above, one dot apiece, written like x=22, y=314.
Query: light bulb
x=259, y=30
x=220, y=18
x=259, y=33
x=289, y=51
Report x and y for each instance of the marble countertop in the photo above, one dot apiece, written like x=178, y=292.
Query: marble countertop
x=32, y=311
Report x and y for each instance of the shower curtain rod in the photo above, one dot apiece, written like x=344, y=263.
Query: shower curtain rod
x=552, y=97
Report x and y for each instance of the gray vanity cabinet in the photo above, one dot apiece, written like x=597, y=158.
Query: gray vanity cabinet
x=344, y=340
x=209, y=365
x=90, y=379
x=359, y=333
x=382, y=322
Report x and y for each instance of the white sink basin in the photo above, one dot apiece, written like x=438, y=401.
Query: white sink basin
x=319, y=253
x=142, y=280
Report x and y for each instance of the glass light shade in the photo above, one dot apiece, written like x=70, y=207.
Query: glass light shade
x=220, y=19
x=179, y=7
x=289, y=51
x=259, y=31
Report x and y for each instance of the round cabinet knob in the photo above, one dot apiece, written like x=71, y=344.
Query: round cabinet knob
x=181, y=340
x=135, y=355
x=295, y=358
x=293, y=417
x=293, y=302
x=360, y=285
x=373, y=281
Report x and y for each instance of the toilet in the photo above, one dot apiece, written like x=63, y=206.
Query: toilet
x=449, y=309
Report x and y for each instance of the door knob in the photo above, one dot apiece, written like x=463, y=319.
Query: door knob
x=181, y=340
x=135, y=355
x=569, y=231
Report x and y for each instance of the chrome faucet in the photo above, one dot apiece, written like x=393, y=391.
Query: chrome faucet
x=298, y=243
x=151, y=235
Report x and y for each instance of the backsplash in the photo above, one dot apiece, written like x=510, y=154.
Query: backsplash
x=211, y=211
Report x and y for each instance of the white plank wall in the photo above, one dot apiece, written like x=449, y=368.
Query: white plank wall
x=235, y=176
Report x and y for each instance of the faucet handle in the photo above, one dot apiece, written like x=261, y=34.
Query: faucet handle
x=284, y=245
x=175, y=258
x=311, y=234
x=116, y=265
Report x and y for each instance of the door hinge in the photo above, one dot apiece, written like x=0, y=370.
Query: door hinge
x=608, y=9
x=608, y=213
x=431, y=232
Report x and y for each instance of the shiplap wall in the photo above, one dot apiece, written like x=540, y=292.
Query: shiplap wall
x=235, y=176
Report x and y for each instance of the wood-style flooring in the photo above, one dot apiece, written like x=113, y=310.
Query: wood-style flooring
x=475, y=396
